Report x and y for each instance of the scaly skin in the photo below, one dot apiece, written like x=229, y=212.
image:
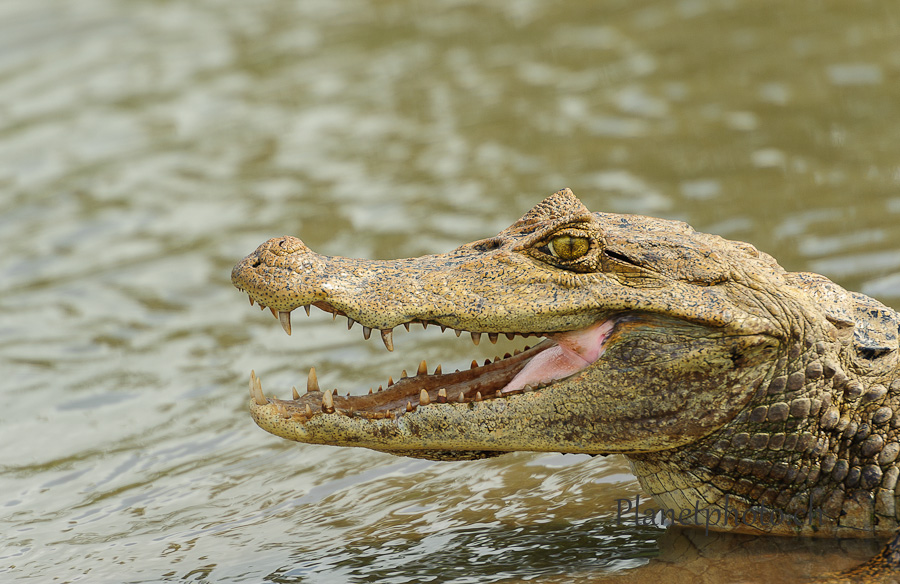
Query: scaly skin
x=724, y=379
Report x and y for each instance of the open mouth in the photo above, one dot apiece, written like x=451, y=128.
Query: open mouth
x=559, y=355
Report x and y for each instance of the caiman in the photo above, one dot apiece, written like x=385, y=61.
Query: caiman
x=729, y=383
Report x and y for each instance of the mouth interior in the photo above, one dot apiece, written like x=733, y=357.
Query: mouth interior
x=558, y=356
x=572, y=352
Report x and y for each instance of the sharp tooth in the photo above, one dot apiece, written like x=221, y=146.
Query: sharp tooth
x=510, y=336
x=406, y=326
x=390, y=381
x=499, y=394
x=506, y=355
x=403, y=374
x=442, y=395
x=251, y=299
x=474, y=364
x=424, y=400
x=423, y=368
x=409, y=407
x=262, y=306
x=350, y=323
x=476, y=337
x=367, y=332
x=306, y=308
x=487, y=361
x=327, y=402
x=424, y=325
x=312, y=382
x=457, y=331
x=477, y=396
x=516, y=352
x=272, y=310
x=461, y=398
x=295, y=393
x=493, y=338
x=443, y=328
x=256, y=390
x=371, y=391
x=437, y=370
x=387, y=337
x=285, y=319
x=308, y=410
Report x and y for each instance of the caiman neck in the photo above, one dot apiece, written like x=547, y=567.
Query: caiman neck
x=815, y=446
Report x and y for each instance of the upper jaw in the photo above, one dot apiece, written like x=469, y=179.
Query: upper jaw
x=466, y=290
x=478, y=289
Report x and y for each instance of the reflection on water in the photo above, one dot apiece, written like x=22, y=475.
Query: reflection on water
x=146, y=146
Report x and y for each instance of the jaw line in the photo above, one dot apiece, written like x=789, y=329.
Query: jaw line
x=558, y=356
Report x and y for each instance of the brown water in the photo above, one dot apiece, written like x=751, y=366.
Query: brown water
x=146, y=146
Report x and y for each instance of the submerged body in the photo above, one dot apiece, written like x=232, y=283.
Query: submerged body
x=727, y=382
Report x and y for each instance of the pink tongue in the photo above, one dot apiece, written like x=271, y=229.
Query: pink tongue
x=573, y=352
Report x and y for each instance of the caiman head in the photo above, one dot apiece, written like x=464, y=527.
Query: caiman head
x=653, y=336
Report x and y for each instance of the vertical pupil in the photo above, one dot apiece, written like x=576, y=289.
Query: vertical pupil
x=566, y=247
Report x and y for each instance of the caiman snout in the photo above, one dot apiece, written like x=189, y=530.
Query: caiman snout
x=287, y=244
x=267, y=254
x=271, y=273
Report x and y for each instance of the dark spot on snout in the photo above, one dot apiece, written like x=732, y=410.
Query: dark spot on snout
x=488, y=244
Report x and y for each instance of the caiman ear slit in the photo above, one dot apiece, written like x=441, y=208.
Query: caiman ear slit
x=620, y=257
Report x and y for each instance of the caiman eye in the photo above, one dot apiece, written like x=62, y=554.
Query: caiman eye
x=568, y=247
